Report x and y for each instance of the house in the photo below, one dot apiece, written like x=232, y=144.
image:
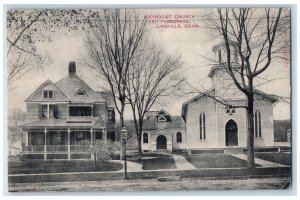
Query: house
x=211, y=125
x=163, y=131
x=62, y=116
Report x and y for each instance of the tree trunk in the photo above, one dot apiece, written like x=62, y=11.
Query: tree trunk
x=95, y=160
x=139, y=138
x=250, y=135
x=122, y=150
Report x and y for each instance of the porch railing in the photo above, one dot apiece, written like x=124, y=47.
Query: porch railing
x=56, y=148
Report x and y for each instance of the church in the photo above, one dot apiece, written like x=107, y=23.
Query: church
x=206, y=123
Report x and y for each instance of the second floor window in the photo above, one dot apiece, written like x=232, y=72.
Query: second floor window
x=80, y=111
x=49, y=111
x=111, y=115
x=48, y=94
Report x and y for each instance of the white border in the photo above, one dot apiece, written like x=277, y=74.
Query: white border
x=151, y=3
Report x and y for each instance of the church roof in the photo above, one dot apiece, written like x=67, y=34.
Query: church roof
x=211, y=93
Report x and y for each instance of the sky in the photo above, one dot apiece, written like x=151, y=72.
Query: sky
x=189, y=42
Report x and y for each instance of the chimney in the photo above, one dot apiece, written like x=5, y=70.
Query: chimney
x=72, y=68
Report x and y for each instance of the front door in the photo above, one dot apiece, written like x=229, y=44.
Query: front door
x=231, y=131
x=161, y=142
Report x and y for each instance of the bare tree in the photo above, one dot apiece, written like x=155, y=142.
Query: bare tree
x=113, y=43
x=153, y=74
x=26, y=29
x=258, y=38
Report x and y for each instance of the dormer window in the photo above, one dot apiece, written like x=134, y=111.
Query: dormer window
x=161, y=119
x=80, y=92
x=48, y=94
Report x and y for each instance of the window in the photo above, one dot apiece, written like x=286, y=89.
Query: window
x=202, y=126
x=49, y=111
x=48, y=94
x=110, y=115
x=161, y=119
x=179, y=137
x=220, y=56
x=81, y=92
x=145, y=138
x=257, y=124
x=44, y=111
x=98, y=135
x=79, y=111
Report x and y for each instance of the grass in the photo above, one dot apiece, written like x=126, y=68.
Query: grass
x=216, y=161
x=41, y=166
x=157, y=161
x=280, y=158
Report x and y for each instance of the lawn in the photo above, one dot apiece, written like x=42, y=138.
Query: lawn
x=157, y=161
x=281, y=158
x=41, y=166
x=216, y=161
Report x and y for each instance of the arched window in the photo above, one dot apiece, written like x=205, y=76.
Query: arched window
x=145, y=138
x=257, y=124
x=161, y=119
x=179, y=137
x=202, y=126
x=220, y=56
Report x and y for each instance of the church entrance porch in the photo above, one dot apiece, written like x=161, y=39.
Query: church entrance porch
x=231, y=132
x=161, y=142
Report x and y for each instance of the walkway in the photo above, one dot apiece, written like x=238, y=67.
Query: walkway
x=259, y=161
x=180, y=161
x=131, y=166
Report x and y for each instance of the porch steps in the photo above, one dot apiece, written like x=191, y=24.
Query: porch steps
x=168, y=178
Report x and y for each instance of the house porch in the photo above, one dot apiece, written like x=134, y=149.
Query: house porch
x=65, y=143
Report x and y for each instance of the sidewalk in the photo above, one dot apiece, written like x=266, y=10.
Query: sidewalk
x=259, y=161
x=139, y=185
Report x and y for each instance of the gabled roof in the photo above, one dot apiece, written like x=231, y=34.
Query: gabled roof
x=37, y=95
x=271, y=97
x=210, y=92
x=71, y=84
x=108, y=97
x=151, y=122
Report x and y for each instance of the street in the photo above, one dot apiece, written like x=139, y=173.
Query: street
x=154, y=185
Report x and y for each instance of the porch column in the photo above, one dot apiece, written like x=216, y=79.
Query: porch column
x=92, y=154
x=91, y=135
x=69, y=149
x=27, y=137
x=45, y=144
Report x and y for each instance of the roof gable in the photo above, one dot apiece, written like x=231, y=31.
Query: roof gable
x=70, y=85
x=37, y=95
